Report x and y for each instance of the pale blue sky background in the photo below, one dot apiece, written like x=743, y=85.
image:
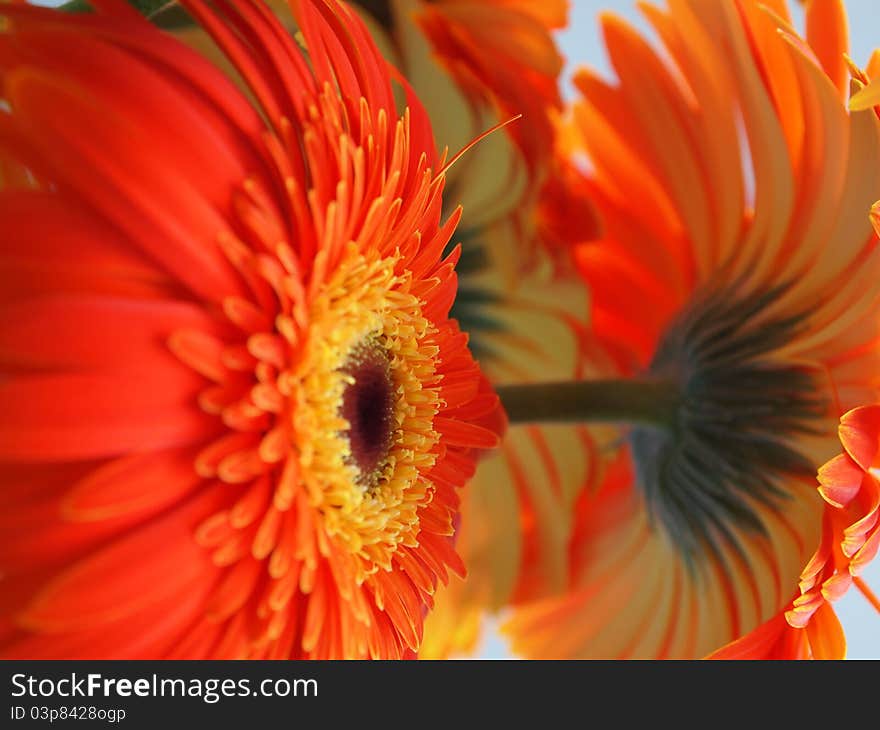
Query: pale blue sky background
x=581, y=45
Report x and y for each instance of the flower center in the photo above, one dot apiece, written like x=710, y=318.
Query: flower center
x=366, y=393
x=734, y=437
x=368, y=407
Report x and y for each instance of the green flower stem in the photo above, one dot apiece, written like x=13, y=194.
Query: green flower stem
x=592, y=401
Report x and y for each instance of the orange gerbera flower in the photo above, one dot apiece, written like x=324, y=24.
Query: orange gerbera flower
x=475, y=63
x=235, y=411
x=736, y=285
x=519, y=299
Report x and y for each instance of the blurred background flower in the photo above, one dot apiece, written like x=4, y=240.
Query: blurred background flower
x=581, y=43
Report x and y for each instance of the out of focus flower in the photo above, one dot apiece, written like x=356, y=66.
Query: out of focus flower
x=235, y=411
x=735, y=290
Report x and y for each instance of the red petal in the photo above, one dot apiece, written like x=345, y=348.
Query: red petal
x=827, y=640
x=79, y=416
x=468, y=435
x=860, y=434
x=158, y=562
x=141, y=483
x=94, y=332
x=840, y=480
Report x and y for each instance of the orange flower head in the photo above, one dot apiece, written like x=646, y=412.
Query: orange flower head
x=737, y=274
x=519, y=298
x=236, y=412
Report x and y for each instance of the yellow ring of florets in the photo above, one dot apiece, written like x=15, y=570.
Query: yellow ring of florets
x=363, y=303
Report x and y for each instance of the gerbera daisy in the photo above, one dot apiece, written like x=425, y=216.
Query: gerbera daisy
x=519, y=299
x=734, y=292
x=235, y=411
